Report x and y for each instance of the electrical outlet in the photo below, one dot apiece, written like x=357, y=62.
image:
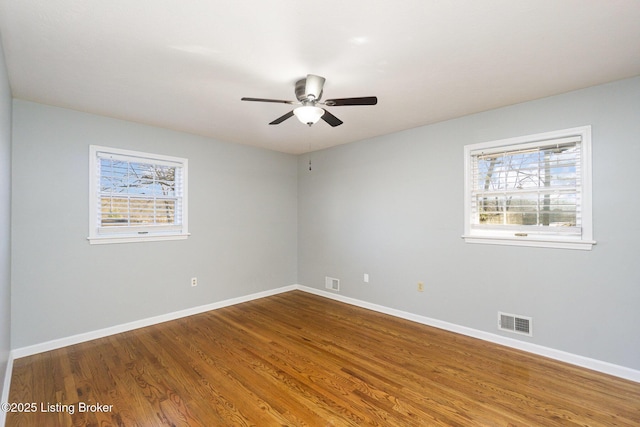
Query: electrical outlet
x=366, y=278
x=194, y=281
x=420, y=287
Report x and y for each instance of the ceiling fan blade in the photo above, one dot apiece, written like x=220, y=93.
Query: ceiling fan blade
x=331, y=119
x=282, y=118
x=314, y=85
x=364, y=100
x=279, y=101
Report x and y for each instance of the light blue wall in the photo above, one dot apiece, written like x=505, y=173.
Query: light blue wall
x=392, y=207
x=389, y=206
x=242, y=217
x=5, y=218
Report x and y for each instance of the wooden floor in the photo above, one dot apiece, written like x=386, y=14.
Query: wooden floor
x=297, y=359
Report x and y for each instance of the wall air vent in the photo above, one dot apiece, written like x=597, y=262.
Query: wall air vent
x=514, y=323
x=332, y=283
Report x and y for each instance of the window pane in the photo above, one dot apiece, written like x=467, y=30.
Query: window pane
x=522, y=209
x=136, y=178
x=113, y=176
x=114, y=211
x=137, y=211
x=135, y=186
x=560, y=210
x=491, y=210
x=528, y=187
x=528, y=209
x=165, y=180
x=513, y=210
x=525, y=170
x=141, y=211
x=165, y=211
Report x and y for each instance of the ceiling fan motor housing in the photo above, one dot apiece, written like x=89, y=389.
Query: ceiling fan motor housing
x=309, y=87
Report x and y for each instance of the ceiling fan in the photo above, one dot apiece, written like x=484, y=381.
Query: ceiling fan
x=309, y=92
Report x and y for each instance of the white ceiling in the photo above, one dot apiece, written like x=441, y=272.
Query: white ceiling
x=185, y=65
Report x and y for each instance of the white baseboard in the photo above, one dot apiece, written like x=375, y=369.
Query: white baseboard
x=585, y=362
x=88, y=336
x=5, y=387
x=574, y=359
x=101, y=333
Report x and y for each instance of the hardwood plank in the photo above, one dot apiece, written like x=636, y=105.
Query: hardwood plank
x=301, y=360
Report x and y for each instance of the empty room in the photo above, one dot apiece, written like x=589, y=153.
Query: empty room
x=270, y=213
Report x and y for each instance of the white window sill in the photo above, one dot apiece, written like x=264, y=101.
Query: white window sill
x=105, y=240
x=538, y=242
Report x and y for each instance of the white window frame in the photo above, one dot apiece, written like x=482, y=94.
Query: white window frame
x=549, y=239
x=142, y=233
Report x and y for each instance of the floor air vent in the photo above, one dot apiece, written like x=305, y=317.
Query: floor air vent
x=332, y=283
x=515, y=323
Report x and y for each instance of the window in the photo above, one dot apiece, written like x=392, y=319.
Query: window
x=136, y=196
x=530, y=191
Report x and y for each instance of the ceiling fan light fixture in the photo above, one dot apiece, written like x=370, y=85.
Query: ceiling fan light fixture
x=308, y=114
